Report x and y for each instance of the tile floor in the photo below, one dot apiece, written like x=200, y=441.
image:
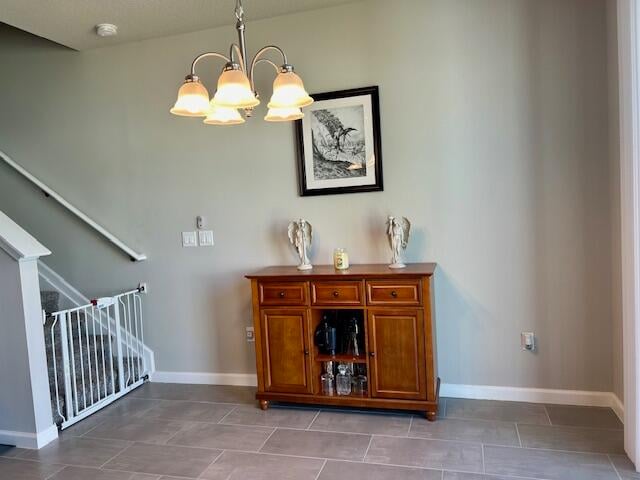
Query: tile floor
x=169, y=432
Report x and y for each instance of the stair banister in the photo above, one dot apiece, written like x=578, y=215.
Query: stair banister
x=133, y=255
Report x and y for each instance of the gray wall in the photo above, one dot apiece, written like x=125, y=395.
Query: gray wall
x=614, y=156
x=495, y=144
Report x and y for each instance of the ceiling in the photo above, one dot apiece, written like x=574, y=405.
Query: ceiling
x=72, y=22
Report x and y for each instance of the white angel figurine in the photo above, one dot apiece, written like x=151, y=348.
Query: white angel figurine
x=300, y=237
x=398, y=232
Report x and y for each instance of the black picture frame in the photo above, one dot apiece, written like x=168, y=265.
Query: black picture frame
x=377, y=186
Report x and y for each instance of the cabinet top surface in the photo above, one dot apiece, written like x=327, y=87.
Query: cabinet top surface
x=360, y=271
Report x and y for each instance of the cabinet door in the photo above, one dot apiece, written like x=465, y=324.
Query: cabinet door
x=396, y=351
x=285, y=350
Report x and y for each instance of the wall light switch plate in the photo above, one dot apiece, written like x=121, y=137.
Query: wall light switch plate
x=250, y=334
x=205, y=237
x=189, y=239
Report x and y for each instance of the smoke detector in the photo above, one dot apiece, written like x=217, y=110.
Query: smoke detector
x=106, y=30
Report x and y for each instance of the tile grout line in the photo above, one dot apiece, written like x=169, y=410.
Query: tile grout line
x=185, y=426
x=366, y=452
x=361, y=434
x=266, y=440
x=615, y=469
x=313, y=420
x=484, y=469
x=214, y=461
x=410, y=425
x=324, y=464
x=119, y=453
x=62, y=467
x=547, y=414
x=518, y=433
x=227, y=414
x=510, y=477
x=94, y=427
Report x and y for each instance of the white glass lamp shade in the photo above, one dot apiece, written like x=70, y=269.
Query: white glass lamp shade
x=223, y=116
x=234, y=90
x=283, y=114
x=289, y=92
x=193, y=99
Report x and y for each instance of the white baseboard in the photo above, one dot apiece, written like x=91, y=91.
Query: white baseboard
x=535, y=395
x=204, y=378
x=618, y=407
x=31, y=441
x=479, y=392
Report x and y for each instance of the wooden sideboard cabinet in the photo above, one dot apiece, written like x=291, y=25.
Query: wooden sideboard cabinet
x=395, y=308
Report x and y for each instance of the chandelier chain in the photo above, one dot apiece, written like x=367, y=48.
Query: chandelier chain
x=239, y=10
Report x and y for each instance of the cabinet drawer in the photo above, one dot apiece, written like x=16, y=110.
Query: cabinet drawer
x=388, y=292
x=289, y=293
x=336, y=293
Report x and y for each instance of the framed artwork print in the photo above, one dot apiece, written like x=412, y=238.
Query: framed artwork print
x=339, y=148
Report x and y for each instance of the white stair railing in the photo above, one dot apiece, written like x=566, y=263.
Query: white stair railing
x=49, y=192
x=95, y=355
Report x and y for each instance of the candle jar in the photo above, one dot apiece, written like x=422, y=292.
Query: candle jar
x=340, y=259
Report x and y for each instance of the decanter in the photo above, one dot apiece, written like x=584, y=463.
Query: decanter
x=327, y=380
x=343, y=380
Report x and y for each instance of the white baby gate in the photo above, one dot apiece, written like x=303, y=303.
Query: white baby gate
x=95, y=355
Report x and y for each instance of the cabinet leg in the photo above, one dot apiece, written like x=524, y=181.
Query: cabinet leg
x=431, y=415
x=264, y=404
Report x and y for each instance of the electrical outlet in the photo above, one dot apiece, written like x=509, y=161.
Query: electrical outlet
x=528, y=341
x=250, y=334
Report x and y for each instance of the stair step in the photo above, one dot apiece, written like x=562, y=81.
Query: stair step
x=87, y=363
x=50, y=301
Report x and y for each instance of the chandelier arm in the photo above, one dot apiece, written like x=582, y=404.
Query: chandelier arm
x=205, y=55
x=256, y=59
x=265, y=60
x=235, y=48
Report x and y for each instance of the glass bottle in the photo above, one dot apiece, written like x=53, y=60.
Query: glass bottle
x=343, y=380
x=327, y=380
x=353, y=348
x=359, y=382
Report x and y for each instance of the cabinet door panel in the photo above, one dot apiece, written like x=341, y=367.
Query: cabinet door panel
x=396, y=346
x=285, y=350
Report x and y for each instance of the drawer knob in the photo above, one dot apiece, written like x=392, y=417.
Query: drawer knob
x=394, y=294
x=306, y=352
x=336, y=293
x=281, y=294
x=372, y=354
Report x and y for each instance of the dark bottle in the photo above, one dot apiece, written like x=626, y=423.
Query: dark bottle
x=325, y=337
x=353, y=332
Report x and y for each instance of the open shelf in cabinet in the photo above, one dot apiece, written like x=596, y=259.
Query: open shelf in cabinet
x=341, y=359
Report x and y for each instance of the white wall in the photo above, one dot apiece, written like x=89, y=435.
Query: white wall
x=495, y=145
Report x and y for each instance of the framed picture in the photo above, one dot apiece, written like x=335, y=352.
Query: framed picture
x=339, y=147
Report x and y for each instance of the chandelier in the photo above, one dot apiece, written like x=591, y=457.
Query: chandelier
x=236, y=87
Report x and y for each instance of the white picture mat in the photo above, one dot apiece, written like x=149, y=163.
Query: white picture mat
x=370, y=178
